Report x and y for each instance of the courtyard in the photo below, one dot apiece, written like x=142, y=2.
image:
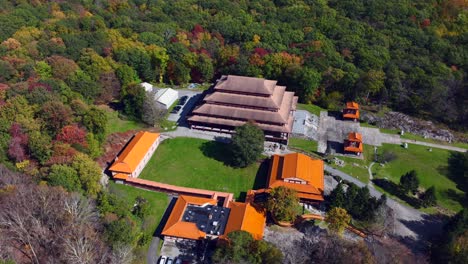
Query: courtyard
x=203, y=164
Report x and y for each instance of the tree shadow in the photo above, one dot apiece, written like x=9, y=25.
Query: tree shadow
x=217, y=151
x=262, y=175
x=396, y=190
x=167, y=213
x=459, y=197
x=456, y=169
x=336, y=114
x=428, y=229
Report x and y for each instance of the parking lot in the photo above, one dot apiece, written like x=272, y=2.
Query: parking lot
x=192, y=98
x=182, y=250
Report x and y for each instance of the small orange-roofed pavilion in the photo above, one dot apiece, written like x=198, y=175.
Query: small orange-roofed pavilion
x=351, y=111
x=299, y=172
x=353, y=143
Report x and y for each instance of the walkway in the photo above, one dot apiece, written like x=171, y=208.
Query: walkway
x=432, y=145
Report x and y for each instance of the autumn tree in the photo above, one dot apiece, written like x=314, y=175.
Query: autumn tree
x=95, y=121
x=55, y=115
x=246, y=145
x=338, y=219
x=242, y=248
x=72, y=134
x=283, y=203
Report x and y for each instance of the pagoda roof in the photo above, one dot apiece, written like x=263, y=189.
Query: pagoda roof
x=245, y=84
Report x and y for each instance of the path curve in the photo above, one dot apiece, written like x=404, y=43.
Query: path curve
x=371, y=176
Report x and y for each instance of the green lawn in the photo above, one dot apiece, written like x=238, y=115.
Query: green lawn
x=304, y=144
x=430, y=166
x=314, y=109
x=158, y=203
x=355, y=166
x=200, y=164
x=116, y=124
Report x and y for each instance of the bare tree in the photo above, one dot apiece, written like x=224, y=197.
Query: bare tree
x=122, y=254
x=152, y=113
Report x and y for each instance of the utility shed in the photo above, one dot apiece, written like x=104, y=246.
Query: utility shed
x=166, y=97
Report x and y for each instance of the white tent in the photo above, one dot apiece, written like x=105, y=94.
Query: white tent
x=166, y=97
x=148, y=86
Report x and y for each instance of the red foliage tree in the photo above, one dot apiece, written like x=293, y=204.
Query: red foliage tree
x=72, y=134
x=16, y=150
x=61, y=154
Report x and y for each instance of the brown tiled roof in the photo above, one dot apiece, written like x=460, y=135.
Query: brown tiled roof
x=246, y=84
x=297, y=165
x=272, y=102
x=234, y=123
x=244, y=216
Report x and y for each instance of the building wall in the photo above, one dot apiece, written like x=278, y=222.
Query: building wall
x=146, y=158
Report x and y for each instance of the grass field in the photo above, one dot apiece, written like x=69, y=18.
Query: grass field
x=314, y=109
x=357, y=167
x=201, y=164
x=116, y=124
x=431, y=168
x=304, y=144
x=158, y=203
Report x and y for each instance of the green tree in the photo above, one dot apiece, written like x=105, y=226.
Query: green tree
x=429, y=197
x=246, y=145
x=338, y=219
x=95, y=121
x=40, y=146
x=65, y=176
x=127, y=75
x=121, y=232
x=409, y=181
x=282, y=203
x=337, y=197
x=133, y=99
x=89, y=173
x=142, y=207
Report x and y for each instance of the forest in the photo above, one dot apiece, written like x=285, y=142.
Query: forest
x=61, y=60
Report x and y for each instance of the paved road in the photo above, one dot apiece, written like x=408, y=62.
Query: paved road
x=153, y=251
x=403, y=213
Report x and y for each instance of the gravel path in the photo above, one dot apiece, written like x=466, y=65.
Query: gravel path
x=452, y=148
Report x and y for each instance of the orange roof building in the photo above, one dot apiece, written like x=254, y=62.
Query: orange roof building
x=135, y=156
x=244, y=216
x=299, y=172
x=197, y=218
x=353, y=143
x=351, y=111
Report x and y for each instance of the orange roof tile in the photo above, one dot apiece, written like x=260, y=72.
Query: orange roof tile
x=352, y=105
x=177, y=228
x=120, y=176
x=353, y=136
x=297, y=165
x=134, y=152
x=244, y=216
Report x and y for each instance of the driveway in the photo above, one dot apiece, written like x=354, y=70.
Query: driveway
x=193, y=97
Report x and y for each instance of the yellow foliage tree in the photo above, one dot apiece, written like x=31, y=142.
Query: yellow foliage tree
x=338, y=219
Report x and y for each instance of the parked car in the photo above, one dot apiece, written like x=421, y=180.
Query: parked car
x=176, y=109
x=169, y=261
x=162, y=260
x=183, y=100
x=178, y=261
